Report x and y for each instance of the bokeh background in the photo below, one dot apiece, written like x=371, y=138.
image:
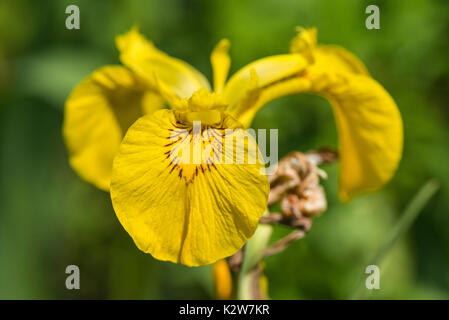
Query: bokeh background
x=49, y=218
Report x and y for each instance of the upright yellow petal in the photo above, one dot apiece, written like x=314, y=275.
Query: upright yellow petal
x=305, y=42
x=97, y=114
x=141, y=56
x=193, y=214
x=220, y=64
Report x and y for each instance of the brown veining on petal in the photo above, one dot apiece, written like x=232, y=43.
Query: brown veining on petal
x=183, y=145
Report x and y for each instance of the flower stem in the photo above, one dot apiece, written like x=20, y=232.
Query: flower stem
x=254, y=252
x=410, y=214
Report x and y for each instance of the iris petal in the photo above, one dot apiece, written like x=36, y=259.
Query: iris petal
x=193, y=214
x=220, y=64
x=97, y=114
x=338, y=59
x=370, y=131
x=245, y=86
x=141, y=56
x=368, y=121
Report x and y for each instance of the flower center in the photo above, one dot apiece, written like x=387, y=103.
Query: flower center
x=195, y=149
x=208, y=118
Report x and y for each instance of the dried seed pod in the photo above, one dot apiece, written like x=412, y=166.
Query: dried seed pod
x=296, y=184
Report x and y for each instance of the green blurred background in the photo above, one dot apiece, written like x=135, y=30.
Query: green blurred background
x=49, y=218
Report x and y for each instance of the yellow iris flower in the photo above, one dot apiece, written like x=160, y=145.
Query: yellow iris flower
x=120, y=139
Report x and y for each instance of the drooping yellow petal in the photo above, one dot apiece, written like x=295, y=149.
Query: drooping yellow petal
x=258, y=96
x=222, y=280
x=220, y=64
x=368, y=121
x=97, y=114
x=272, y=74
x=331, y=59
x=369, y=129
x=195, y=213
x=338, y=59
x=141, y=56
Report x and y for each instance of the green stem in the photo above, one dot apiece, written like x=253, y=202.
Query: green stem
x=254, y=250
x=407, y=218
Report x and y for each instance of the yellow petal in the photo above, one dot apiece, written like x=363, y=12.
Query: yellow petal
x=257, y=98
x=369, y=128
x=272, y=73
x=305, y=43
x=222, y=280
x=326, y=58
x=141, y=56
x=338, y=59
x=97, y=114
x=220, y=64
x=193, y=214
x=332, y=57
x=368, y=120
